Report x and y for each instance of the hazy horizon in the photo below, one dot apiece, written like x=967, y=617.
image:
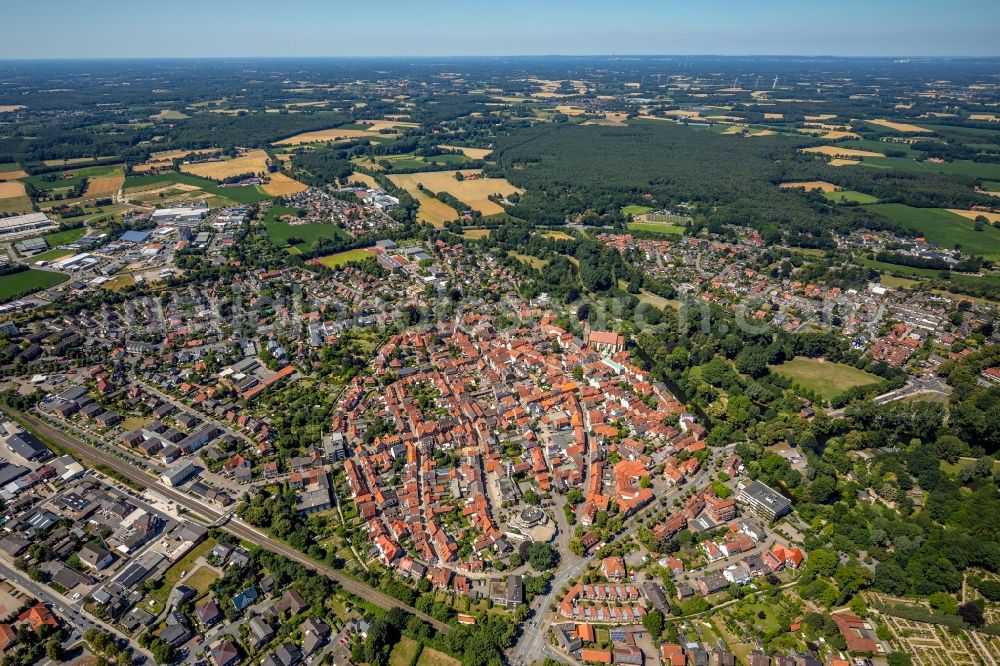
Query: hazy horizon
x=448, y=28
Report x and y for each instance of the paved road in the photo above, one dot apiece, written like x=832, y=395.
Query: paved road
x=80, y=620
x=234, y=526
x=914, y=386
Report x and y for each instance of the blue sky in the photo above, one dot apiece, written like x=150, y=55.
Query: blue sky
x=120, y=28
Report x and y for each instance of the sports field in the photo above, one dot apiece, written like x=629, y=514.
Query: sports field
x=473, y=191
x=281, y=185
x=828, y=380
x=57, y=238
x=19, y=284
x=253, y=161
x=944, y=229
x=342, y=258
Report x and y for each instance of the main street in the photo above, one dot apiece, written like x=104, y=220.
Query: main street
x=233, y=525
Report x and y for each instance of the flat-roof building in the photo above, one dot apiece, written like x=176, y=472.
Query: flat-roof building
x=764, y=501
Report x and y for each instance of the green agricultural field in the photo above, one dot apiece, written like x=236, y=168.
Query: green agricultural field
x=341, y=258
x=845, y=196
x=19, y=284
x=958, y=167
x=944, y=229
x=828, y=380
x=635, y=209
x=878, y=146
x=57, y=238
x=243, y=195
x=15, y=205
x=655, y=228
x=991, y=186
x=40, y=181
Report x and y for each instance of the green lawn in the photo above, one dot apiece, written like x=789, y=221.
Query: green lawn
x=635, y=209
x=850, y=195
x=342, y=258
x=247, y=194
x=49, y=255
x=828, y=380
x=944, y=229
x=655, y=228
x=57, y=238
x=25, y=282
x=201, y=580
x=281, y=232
x=173, y=574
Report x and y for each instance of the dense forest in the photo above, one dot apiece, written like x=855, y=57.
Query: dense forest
x=570, y=170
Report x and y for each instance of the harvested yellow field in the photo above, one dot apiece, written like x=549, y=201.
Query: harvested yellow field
x=842, y=162
x=252, y=161
x=568, y=110
x=7, y=108
x=682, y=113
x=281, y=185
x=845, y=153
x=973, y=214
x=164, y=159
x=835, y=135
x=174, y=154
x=810, y=185
x=473, y=191
x=379, y=125
x=365, y=179
x=821, y=117
x=474, y=153
x=432, y=211
x=104, y=186
x=762, y=133
x=774, y=116
x=906, y=128
x=71, y=161
x=13, y=175
x=11, y=189
x=557, y=235
x=734, y=129
x=987, y=117
x=325, y=136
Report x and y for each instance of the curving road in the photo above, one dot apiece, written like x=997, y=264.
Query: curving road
x=234, y=526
